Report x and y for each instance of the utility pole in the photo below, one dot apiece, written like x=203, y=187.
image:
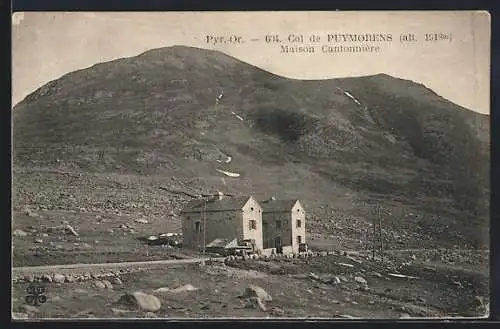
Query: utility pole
x=381, y=235
x=374, y=231
x=204, y=226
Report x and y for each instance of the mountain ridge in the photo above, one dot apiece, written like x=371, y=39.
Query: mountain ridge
x=375, y=136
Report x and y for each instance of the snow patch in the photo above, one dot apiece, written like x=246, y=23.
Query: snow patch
x=348, y=94
x=228, y=173
x=238, y=116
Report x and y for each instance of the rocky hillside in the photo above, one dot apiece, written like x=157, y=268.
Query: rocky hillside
x=341, y=145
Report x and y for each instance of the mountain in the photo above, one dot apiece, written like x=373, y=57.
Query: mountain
x=341, y=145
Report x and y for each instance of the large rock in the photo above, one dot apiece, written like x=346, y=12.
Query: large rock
x=29, y=309
x=46, y=278
x=100, y=285
x=117, y=281
x=107, y=284
x=58, y=278
x=140, y=300
x=19, y=233
x=162, y=290
x=70, y=278
x=70, y=230
x=276, y=311
x=256, y=291
x=29, y=278
x=254, y=302
x=361, y=280
x=29, y=212
x=186, y=287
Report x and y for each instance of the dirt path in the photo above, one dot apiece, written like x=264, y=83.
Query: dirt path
x=50, y=269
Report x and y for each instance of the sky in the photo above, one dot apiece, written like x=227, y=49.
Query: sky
x=47, y=45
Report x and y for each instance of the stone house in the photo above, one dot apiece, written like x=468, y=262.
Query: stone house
x=222, y=218
x=283, y=223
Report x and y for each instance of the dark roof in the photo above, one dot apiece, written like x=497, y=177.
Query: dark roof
x=277, y=205
x=226, y=204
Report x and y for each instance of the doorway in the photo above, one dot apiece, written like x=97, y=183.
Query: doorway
x=277, y=245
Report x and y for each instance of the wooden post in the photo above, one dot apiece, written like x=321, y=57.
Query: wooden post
x=204, y=226
x=381, y=236
x=374, y=232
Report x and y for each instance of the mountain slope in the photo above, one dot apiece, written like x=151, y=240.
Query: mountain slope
x=346, y=143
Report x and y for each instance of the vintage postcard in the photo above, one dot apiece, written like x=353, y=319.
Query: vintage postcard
x=184, y=165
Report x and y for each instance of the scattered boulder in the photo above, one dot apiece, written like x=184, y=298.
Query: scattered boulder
x=58, y=278
x=30, y=213
x=85, y=245
x=314, y=276
x=254, y=302
x=29, y=309
x=99, y=284
x=70, y=278
x=330, y=279
x=70, y=230
x=141, y=220
x=118, y=311
x=150, y=315
x=107, y=284
x=186, y=287
x=360, y=280
x=117, y=281
x=19, y=232
x=256, y=291
x=347, y=316
x=29, y=278
x=162, y=289
x=46, y=278
x=141, y=301
x=276, y=311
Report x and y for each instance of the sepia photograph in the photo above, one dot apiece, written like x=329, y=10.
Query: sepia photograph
x=250, y=165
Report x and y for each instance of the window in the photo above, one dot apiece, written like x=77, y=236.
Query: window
x=278, y=224
x=299, y=239
x=251, y=208
x=197, y=227
x=299, y=223
x=253, y=224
